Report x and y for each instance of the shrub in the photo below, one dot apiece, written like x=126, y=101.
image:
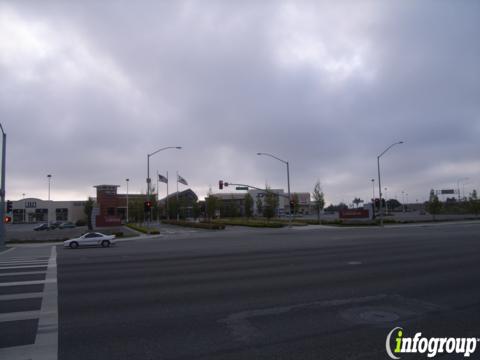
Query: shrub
x=138, y=228
x=118, y=234
x=81, y=222
x=202, y=225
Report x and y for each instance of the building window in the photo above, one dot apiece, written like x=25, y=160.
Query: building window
x=18, y=215
x=41, y=214
x=61, y=214
x=111, y=211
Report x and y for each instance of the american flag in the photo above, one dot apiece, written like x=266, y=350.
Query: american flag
x=181, y=180
x=162, y=178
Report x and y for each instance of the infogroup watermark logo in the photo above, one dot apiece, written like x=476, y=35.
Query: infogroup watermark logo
x=429, y=346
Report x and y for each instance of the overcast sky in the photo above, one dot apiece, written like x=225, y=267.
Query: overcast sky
x=87, y=89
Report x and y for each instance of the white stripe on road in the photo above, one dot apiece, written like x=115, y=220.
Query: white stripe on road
x=32, y=282
x=21, y=296
x=23, y=262
x=46, y=342
x=24, y=266
x=7, y=250
x=19, y=315
x=17, y=352
x=23, y=273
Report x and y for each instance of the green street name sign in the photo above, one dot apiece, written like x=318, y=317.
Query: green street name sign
x=241, y=188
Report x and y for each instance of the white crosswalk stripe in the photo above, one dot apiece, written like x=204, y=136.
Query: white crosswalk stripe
x=24, y=274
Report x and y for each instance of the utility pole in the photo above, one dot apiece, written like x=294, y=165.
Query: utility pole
x=2, y=190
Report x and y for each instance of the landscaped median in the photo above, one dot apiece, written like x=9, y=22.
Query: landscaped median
x=257, y=222
x=143, y=229
x=198, y=225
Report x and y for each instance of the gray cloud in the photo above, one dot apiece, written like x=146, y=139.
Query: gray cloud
x=89, y=88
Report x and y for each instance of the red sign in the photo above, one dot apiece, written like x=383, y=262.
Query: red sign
x=354, y=214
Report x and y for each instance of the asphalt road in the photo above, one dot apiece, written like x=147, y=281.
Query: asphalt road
x=271, y=294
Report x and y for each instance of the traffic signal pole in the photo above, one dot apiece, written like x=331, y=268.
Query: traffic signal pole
x=2, y=190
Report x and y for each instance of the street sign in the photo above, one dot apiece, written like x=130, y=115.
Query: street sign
x=447, y=191
x=241, y=188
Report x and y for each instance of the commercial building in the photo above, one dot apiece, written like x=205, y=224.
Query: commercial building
x=111, y=207
x=33, y=210
x=187, y=200
x=236, y=201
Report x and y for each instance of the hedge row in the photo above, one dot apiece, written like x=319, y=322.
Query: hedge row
x=250, y=223
x=201, y=225
x=143, y=229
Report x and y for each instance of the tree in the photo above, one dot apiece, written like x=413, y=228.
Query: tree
x=88, y=209
x=259, y=205
x=248, y=205
x=474, y=203
x=211, y=206
x=357, y=201
x=434, y=205
x=271, y=204
x=318, y=199
x=195, y=209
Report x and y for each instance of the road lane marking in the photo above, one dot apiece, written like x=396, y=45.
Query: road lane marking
x=19, y=315
x=32, y=282
x=46, y=341
x=22, y=352
x=23, y=273
x=21, y=296
x=24, y=267
x=354, y=263
x=23, y=262
x=7, y=250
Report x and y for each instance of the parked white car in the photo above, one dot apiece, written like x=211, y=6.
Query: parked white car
x=90, y=239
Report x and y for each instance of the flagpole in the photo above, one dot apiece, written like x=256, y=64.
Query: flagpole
x=178, y=204
x=168, y=207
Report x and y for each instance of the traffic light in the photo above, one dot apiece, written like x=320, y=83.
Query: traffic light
x=8, y=219
x=9, y=206
x=147, y=205
x=220, y=184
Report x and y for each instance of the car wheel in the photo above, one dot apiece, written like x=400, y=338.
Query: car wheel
x=73, y=245
x=105, y=243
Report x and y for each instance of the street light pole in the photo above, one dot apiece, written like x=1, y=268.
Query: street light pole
x=148, y=164
x=127, y=180
x=148, y=167
x=379, y=179
x=373, y=198
x=288, y=184
x=2, y=190
x=49, y=176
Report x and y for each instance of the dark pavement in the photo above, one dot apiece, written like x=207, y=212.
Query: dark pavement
x=276, y=294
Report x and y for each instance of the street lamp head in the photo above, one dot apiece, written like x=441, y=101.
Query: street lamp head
x=178, y=147
x=259, y=153
x=373, y=180
x=49, y=175
x=400, y=142
x=127, y=180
